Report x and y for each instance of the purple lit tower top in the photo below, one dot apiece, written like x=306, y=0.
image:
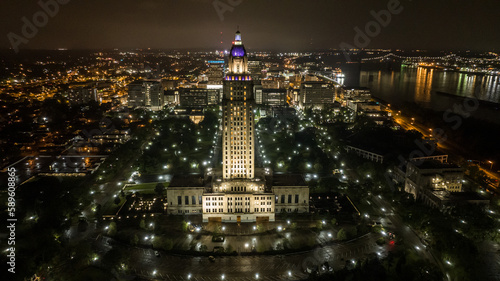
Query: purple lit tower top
x=238, y=60
x=238, y=49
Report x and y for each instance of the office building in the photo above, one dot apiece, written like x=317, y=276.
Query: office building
x=146, y=94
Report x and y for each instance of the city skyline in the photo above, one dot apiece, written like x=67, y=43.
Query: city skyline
x=198, y=24
x=332, y=155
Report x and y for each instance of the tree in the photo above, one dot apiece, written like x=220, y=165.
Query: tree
x=329, y=184
x=98, y=213
x=342, y=234
x=117, y=200
x=319, y=225
x=112, y=229
x=114, y=257
x=135, y=240
x=184, y=226
x=163, y=243
x=159, y=189
x=229, y=249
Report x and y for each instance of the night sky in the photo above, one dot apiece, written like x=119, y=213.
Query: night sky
x=286, y=25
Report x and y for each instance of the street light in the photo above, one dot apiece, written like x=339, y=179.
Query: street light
x=491, y=164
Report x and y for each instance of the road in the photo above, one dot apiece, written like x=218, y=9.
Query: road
x=287, y=267
x=411, y=239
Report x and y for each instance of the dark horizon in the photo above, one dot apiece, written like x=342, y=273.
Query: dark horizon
x=416, y=51
x=280, y=25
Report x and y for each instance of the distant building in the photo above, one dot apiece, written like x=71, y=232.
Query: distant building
x=370, y=155
x=215, y=72
x=283, y=112
x=196, y=97
x=146, y=94
x=111, y=137
x=369, y=106
x=433, y=175
x=80, y=94
x=370, y=109
x=355, y=94
x=195, y=114
x=171, y=97
x=193, y=97
x=169, y=84
x=442, y=158
x=271, y=97
x=255, y=68
x=270, y=84
x=438, y=184
x=316, y=94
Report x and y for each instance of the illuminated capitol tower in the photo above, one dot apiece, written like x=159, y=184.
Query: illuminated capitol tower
x=237, y=195
x=240, y=193
x=238, y=122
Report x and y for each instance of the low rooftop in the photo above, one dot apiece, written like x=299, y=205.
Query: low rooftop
x=287, y=180
x=187, y=181
x=434, y=164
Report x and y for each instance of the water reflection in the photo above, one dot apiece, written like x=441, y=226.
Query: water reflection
x=424, y=85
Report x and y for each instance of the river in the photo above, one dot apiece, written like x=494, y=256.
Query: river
x=435, y=89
